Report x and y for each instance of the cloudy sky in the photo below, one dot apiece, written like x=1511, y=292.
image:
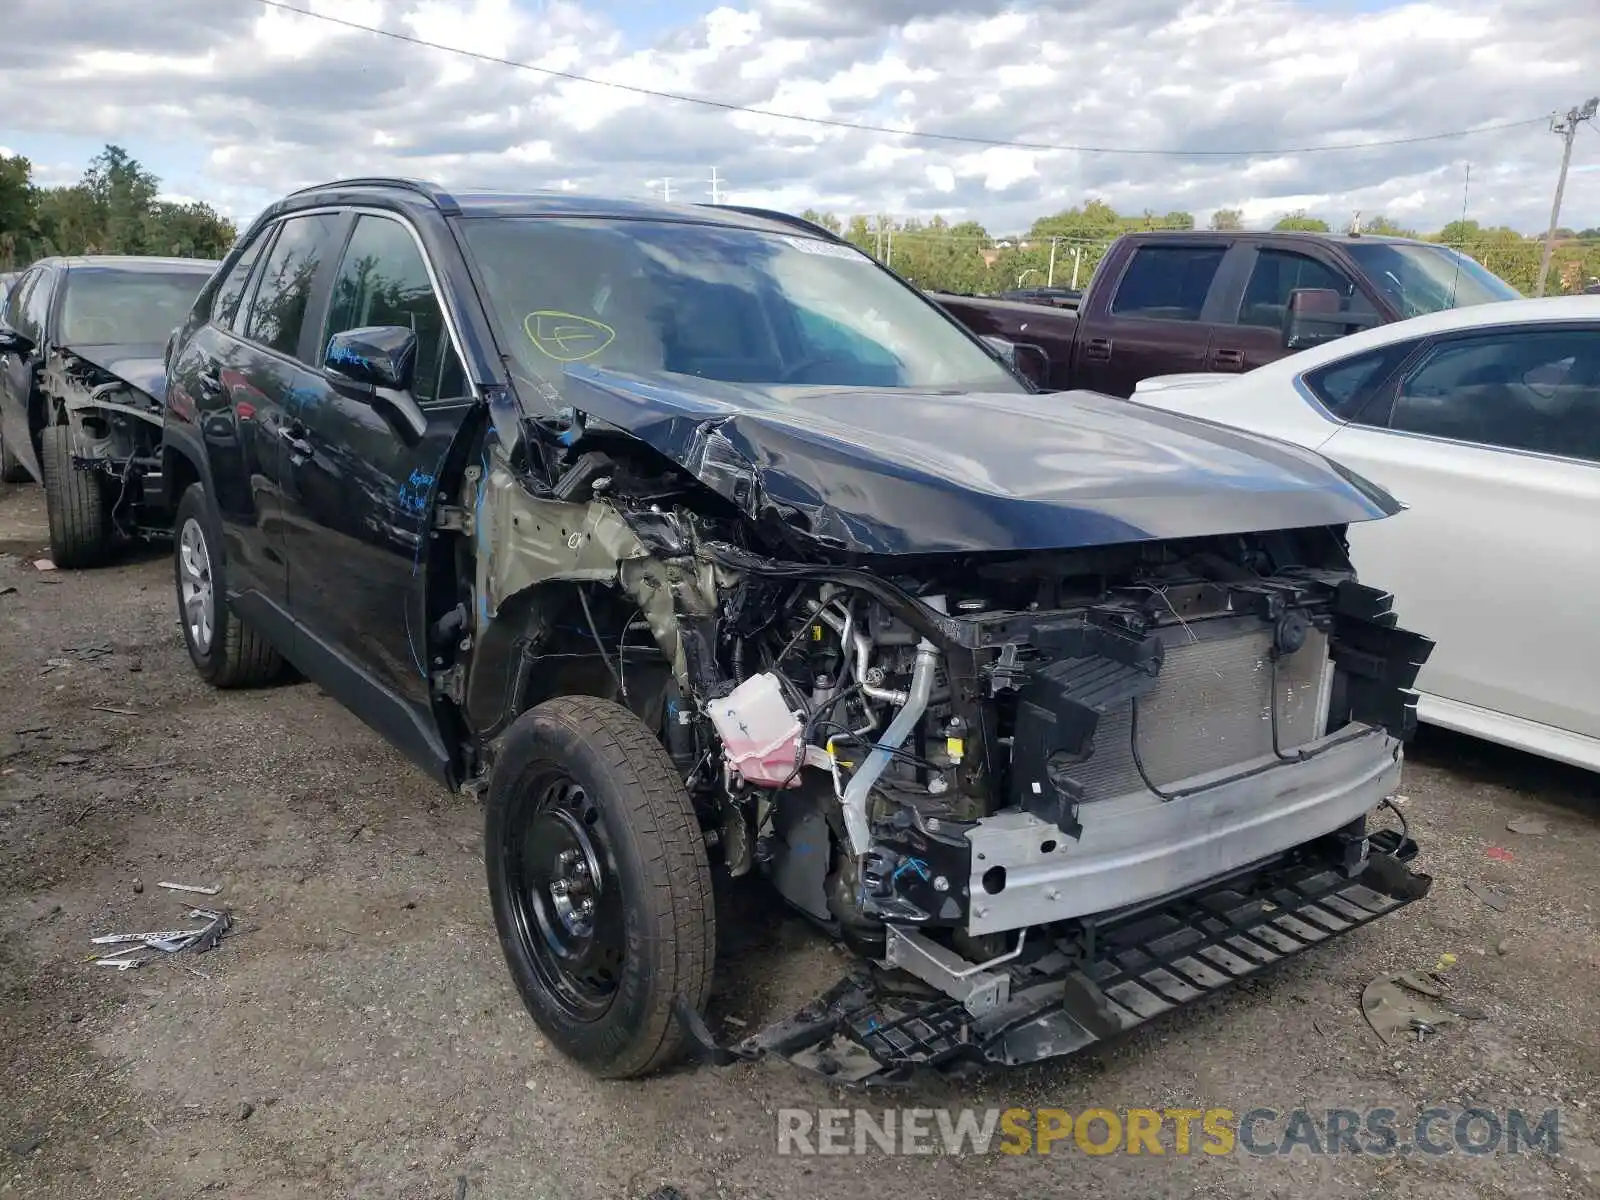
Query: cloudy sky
x=234, y=102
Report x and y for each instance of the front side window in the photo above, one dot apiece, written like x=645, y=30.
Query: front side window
x=718, y=303
x=35, y=310
x=1419, y=279
x=279, y=307
x=1278, y=273
x=17, y=299
x=1167, y=283
x=105, y=306
x=1535, y=390
x=383, y=281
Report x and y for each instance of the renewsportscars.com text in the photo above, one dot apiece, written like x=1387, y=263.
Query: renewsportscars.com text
x=1167, y=1131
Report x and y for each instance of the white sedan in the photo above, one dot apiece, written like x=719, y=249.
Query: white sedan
x=1485, y=423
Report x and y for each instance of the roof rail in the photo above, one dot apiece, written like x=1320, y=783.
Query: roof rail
x=442, y=199
x=772, y=214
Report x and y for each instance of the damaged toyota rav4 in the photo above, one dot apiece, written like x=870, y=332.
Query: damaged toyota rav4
x=694, y=541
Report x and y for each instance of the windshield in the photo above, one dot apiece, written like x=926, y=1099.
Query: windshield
x=1427, y=279
x=718, y=303
x=109, y=307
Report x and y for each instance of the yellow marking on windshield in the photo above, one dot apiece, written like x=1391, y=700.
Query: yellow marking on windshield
x=567, y=337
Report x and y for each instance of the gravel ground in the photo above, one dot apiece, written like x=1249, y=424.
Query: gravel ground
x=359, y=1036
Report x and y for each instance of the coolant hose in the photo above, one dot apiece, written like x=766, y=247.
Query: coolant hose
x=856, y=791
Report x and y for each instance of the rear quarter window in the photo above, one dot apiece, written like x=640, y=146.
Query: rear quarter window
x=1347, y=386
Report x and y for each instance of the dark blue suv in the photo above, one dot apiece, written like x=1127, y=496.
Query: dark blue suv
x=694, y=538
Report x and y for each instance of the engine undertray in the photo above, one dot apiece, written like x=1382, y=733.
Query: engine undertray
x=880, y=1026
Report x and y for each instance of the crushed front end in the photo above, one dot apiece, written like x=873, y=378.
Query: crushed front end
x=1045, y=795
x=1049, y=798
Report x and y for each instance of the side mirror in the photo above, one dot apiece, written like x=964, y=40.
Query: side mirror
x=1026, y=359
x=378, y=365
x=379, y=356
x=12, y=342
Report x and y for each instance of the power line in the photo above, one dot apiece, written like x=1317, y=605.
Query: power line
x=926, y=135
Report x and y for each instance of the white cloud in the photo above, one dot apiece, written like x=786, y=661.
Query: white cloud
x=266, y=100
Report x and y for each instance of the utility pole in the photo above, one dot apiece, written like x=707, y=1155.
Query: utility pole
x=1050, y=277
x=888, y=255
x=1077, y=257
x=666, y=188
x=716, y=187
x=1568, y=130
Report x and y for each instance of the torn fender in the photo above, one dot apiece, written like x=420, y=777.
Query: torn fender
x=893, y=471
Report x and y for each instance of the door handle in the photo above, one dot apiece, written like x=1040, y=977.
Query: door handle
x=1227, y=360
x=1098, y=350
x=297, y=444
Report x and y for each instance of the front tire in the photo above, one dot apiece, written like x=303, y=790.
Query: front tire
x=76, y=503
x=600, y=885
x=226, y=651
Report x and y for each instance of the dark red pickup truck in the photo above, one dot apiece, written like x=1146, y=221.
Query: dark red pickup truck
x=1175, y=302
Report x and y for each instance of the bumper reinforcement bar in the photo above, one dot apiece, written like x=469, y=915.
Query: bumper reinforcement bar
x=880, y=1027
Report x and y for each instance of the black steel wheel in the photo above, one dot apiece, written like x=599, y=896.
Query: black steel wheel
x=600, y=885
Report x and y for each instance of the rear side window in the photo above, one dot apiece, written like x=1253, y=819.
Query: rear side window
x=279, y=308
x=226, y=302
x=383, y=281
x=1345, y=387
x=1168, y=283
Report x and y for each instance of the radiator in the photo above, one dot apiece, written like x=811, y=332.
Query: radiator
x=1210, y=710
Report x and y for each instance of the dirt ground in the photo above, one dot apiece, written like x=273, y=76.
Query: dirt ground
x=359, y=1036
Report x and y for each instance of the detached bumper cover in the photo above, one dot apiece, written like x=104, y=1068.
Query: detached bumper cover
x=880, y=1027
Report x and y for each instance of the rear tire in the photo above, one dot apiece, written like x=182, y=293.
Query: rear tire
x=225, y=651
x=76, y=502
x=581, y=779
x=11, y=468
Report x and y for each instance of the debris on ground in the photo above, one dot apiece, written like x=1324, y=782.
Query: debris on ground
x=218, y=922
x=189, y=887
x=243, y=1110
x=43, y=564
x=1412, y=1004
x=1499, y=854
x=1532, y=826
x=7, y=590
x=1498, y=901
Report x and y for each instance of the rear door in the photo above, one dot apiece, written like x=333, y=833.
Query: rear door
x=1492, y=440
x=360, y=485
x=1155, y=320
x=1251, y=334
x=242, y=374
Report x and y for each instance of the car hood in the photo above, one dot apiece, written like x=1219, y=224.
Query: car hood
x=137, y=364
x=899, y=471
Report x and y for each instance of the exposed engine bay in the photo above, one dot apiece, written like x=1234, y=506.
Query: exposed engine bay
x=977, y=769
x=115, y=420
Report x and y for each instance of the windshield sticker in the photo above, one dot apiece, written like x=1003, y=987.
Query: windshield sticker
x=825, y=249
x=566, y=337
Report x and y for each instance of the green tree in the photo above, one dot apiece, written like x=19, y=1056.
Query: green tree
x=827, y=220
x=1227, y=218
x=1302, y=220
x=19, y=210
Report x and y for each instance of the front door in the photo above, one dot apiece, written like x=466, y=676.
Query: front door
x=1492, y=441
x=359, y=492
x=28, y=300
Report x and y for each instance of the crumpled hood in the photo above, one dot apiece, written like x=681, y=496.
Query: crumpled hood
x=139, y=365
x=896, y=471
